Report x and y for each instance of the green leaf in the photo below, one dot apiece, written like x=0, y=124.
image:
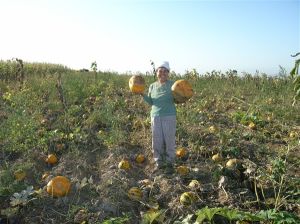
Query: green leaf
x=206, y=213
x=151, y=216
x=230, y=214
x=296, y=80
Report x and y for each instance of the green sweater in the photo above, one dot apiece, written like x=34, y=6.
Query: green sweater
x=161, y=99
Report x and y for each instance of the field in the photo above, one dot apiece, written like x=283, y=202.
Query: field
x=91, y=122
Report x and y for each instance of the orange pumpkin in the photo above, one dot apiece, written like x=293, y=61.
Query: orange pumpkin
x=135, y=193
x=217, y=158
x=182, y=91
x=51, y=159
x=232, y=163
x=194, y=184
x=44, y=121
x=181, y=152
x=124, y=164
x=20, y=175
x=140, y=158
x=187, y=198
x=59, y=186
x=137, y=84
x=252, y=125
x=183, y=170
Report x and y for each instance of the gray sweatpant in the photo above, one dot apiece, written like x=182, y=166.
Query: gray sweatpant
x=163, y=138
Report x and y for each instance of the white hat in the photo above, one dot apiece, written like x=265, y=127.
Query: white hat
x=164, y=64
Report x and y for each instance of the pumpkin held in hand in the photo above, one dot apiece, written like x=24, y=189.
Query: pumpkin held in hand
x=137, y=84
x=59, y=186
x=182, y=91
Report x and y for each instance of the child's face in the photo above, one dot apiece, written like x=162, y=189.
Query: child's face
x=162, y=75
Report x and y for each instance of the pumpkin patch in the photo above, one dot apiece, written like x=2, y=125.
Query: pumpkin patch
x=99, y=135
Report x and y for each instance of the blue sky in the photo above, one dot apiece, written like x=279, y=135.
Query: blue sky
x=125, y=35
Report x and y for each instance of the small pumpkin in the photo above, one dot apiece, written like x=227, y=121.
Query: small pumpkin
x=217, y=158
x=293, y=134
x=140, y=158
x=182, y=170
x=181, y=152
x=232, y=163
x=59, y=186
x=252, y=125
x=137, y=84
x=44, y=121
x=213, y=129
x=182, y=91
x=51, y=159
x=19, y=175
x=187, y=198
x=194, y=184
x=124, y=164
x=135, y=193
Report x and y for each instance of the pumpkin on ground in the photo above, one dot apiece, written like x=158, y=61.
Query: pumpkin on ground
x=140, y=158
x=137, y=84
x=135, y=193
x=194, y=184
x=181, y=152
x=187, y=198
x=217, y=158
x=182, y=91
x=20, y=175
x=182, y=170
x=59, y=186
x=124, y=164
x=232, y=163
x=51, y=159
x=213, y=129
x=252, y=125
x=44, y=121
x=293, y=134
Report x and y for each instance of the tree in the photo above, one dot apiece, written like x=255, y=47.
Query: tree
x=94, y=66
